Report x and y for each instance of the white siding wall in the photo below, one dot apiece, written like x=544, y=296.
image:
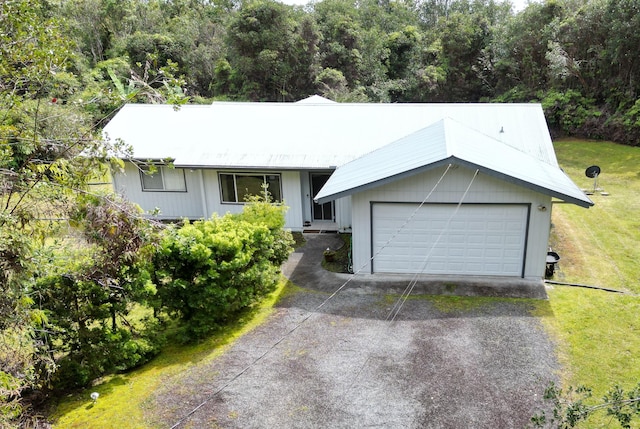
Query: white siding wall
x=485, y=189
x=202, y=198
x=305, y=195
x=172, y=205
x=343, y=213
x=292, y=195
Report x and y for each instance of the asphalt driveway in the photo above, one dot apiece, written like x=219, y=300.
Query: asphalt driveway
x=341, y=363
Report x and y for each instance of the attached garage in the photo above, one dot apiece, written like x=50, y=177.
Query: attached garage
x=467, y=239
x=449, y=200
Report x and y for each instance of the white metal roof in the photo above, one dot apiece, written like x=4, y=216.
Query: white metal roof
x=308, y=135
x=448, y=141
x=320, y=135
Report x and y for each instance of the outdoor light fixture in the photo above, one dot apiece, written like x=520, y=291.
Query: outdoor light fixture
x=542, y=208
x=94, y=396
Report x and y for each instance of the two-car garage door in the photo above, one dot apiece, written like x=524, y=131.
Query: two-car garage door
x=470, y=239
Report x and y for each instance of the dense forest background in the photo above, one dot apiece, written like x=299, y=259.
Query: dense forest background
x=577, y=57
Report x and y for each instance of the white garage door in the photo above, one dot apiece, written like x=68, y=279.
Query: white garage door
x=478, y=239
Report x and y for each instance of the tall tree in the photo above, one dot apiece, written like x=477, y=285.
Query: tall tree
x=522, y=61
x=272, y=50
x=465, y=30
x=49, y=151
x=33, y=56
x=342, y=41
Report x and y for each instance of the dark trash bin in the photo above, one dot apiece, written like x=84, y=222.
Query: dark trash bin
x=552, y=261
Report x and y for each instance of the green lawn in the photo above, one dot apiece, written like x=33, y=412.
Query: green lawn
x=598, y=332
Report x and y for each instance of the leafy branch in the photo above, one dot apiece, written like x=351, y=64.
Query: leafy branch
x=570, y=406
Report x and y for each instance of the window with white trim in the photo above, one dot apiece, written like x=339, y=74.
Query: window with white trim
x=238, y=187
x=163, y=179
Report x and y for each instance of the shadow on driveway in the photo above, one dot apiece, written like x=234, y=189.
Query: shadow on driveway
x=441, y=363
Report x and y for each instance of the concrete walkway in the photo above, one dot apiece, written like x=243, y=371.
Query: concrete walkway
x=340, y=363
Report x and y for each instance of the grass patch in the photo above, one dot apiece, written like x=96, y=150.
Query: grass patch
x=341, y=260
x=123, y=400
x=598, y=332
x=454, y=304
x=298, y=239
x=460, y=304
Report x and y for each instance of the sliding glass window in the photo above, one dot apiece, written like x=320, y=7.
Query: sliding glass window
x=239, y=187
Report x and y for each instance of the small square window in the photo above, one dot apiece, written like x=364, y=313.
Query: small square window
x=152, y=181
x=163, y=179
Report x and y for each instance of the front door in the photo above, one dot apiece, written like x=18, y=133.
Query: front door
x=321, y=211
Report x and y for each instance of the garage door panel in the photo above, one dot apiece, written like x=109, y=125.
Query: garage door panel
x=495, y=226
x=455, y=252
x=493, y=253
x=513, y=241
x=475, y=253
x=477, y=239
x=511, y=267
x=437, y=253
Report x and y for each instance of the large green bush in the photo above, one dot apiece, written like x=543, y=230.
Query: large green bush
x=81, y=332
x=87, y=288
x=208, y=271
x=624, y=125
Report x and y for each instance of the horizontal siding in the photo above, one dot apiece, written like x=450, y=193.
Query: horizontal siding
x=202, y=198
x=484, y=189
x=343, y=213
x=172, y=205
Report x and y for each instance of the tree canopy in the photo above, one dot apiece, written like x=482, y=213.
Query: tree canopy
x=577, y=56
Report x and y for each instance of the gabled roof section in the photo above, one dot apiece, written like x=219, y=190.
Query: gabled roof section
x=448, y=141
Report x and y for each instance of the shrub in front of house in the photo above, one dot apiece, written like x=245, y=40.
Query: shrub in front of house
x=208, y=271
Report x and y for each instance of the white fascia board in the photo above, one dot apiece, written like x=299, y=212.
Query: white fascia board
x=324, y=197
x=569, y=193
x=574, y=196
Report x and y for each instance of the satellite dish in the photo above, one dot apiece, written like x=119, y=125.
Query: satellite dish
x=592, y=172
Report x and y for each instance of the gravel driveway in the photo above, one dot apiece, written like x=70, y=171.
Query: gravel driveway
x=442, y=363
